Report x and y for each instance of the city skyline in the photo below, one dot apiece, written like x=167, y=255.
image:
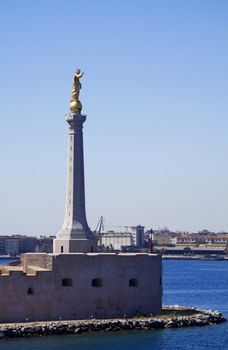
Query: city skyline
x=154, y=92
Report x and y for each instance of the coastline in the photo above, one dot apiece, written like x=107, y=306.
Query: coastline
x=171, y=317
x=14, y=260
x=194, y=257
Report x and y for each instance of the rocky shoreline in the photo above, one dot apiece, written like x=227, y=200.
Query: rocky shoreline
x=171, y=317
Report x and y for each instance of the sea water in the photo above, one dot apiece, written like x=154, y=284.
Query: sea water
x=185, y=282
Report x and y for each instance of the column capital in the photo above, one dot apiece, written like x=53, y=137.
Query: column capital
x=75, y=119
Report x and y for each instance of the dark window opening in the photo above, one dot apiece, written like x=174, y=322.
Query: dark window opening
x=97, y=282
x=30, y=291
x=133, y=282
x=61, y=248
x=67, y=282
x=91, y=249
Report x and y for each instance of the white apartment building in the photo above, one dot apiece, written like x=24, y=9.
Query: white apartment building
x=115, y=240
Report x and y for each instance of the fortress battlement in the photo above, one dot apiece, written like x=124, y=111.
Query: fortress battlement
x=78, y=286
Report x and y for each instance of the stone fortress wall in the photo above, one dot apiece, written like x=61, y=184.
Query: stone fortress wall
x=80, y=286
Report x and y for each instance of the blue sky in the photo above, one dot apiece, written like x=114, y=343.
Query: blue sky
x=155, y=94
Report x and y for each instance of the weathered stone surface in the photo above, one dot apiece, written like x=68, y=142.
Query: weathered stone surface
x=47, y=301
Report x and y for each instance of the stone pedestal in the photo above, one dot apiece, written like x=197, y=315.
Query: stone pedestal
x=75, y=235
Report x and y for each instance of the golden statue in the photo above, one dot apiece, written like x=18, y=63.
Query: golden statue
x=75, y=104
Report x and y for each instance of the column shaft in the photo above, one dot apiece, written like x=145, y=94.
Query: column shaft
x=75, y=230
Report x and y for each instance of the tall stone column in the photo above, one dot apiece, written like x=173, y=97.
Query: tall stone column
x=75, y=235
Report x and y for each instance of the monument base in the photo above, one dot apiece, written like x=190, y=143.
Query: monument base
x=65, y=246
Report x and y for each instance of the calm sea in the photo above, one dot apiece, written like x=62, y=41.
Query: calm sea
x=7, y=261
x=199, y=283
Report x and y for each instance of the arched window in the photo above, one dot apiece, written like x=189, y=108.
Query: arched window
x=97, y=282
x=133, y=282
x=67, y=282
x=30, y=291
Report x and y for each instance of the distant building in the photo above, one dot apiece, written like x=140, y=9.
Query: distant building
x=18, y=244
x=115, y=240
x=2, y=245
x=137, y=233
x=12, y=246
x=218, y=239
x=196, y=238
x=201, y=250
x=27, y=244
x=163, y=239
x=45, y=244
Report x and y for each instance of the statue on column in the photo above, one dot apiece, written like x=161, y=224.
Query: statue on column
x=75, y=104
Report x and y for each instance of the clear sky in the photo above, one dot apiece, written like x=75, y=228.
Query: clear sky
x=155, y=93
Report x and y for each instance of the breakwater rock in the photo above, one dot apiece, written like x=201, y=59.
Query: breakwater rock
x=171, y=317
